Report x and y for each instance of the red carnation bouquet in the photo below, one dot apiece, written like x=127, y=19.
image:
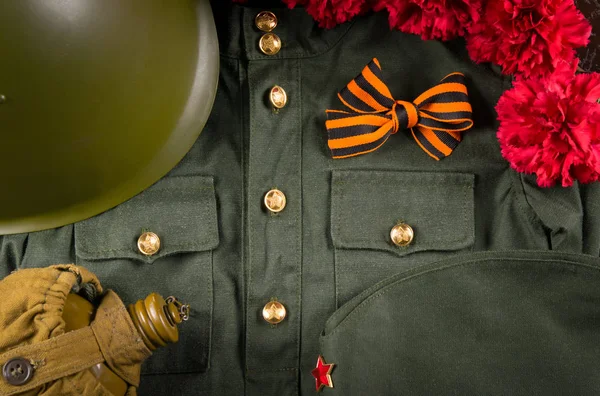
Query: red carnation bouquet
x=528, y=37
x=550, y=119
x=330, y=13
x=432, y=19
x=550, y=126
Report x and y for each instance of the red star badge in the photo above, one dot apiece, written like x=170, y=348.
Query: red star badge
x=322, y=374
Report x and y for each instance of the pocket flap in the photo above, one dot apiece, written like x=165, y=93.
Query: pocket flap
x=180, y=210
x=366, y=205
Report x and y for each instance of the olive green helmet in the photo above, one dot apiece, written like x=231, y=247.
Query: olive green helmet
x=98, y=100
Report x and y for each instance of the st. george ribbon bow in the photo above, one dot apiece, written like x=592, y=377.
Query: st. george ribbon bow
x=436, y=118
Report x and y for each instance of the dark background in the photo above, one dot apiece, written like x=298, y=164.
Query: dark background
x=590, y=56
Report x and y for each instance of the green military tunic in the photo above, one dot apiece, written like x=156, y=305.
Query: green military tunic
x=323, y=255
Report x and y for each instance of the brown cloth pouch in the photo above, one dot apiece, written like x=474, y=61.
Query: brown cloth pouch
x=31, y=327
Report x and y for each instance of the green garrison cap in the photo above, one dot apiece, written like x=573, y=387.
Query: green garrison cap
x=487, y=323
x=99, y=99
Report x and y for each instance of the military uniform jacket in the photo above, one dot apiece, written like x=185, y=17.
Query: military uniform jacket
x=496, y=294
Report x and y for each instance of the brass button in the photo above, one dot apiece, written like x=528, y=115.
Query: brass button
x=402, y=234
x=275, y=201
x=266, y=21
x=274, y=312
x=148, y=243
x=17, y=371
x=278, y=97
x=270, y=44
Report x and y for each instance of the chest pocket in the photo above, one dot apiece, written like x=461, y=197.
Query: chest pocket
x=366, y=205
x=182, y=212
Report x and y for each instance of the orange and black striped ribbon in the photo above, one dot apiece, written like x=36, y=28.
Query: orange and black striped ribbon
x=436, y=118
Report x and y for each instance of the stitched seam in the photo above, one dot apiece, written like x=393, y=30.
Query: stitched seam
x=335, y=277
x=334, y=231
x=209, y=283
x=249, y=300
x=197, y=183
x=42, y=317
x=300, y=244
x=244, y=120
x=523, y=202
x=113, y=317
x=75, y=385
x=49, y=348
x=272, y=371
x=178, y=246
x=118, y=353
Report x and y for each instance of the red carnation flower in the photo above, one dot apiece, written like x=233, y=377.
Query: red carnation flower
x=550, y=126
x=432, y=19
x=529, y=37
x=330, y=13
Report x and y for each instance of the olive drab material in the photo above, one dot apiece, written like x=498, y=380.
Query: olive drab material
x=381, y=274
x=97, y=102
x=520, y=323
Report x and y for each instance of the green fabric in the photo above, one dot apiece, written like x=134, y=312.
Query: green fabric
x=227, y=256
x=182, y=211
x=493, y=323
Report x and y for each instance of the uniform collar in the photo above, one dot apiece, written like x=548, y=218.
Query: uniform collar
x=300, y=35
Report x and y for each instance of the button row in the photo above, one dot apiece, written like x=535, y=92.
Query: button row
x=18, y=371
x=274, y=312
x=275, y=201
x=269, y=43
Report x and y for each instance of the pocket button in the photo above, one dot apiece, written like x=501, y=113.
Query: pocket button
x=148, y=243
x=402, y=234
